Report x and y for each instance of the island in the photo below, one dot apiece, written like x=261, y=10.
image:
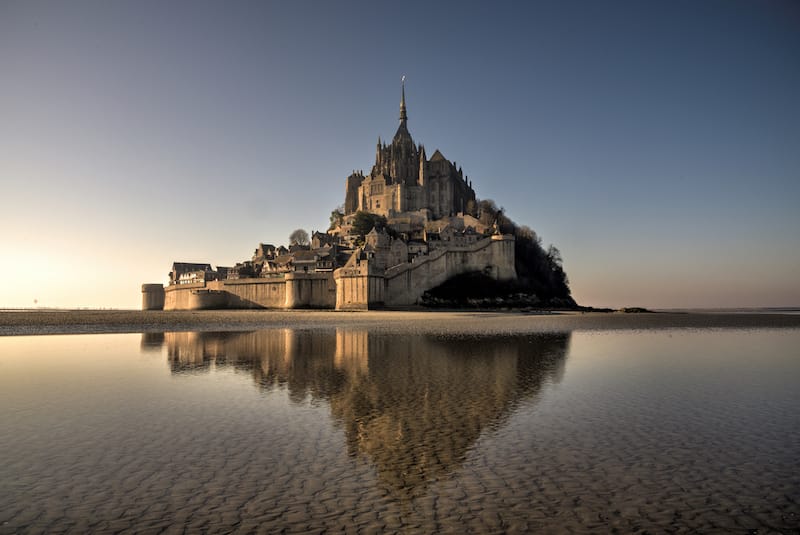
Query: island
x=410, y=232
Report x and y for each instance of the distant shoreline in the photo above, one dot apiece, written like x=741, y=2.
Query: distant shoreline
x=466, y=322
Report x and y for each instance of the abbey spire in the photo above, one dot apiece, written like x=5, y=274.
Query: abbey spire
x=402, y=141
x=403, y=115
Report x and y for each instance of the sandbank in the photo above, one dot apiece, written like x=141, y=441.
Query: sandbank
x=417, y=321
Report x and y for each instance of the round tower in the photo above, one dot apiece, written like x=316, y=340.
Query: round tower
x=152, y=297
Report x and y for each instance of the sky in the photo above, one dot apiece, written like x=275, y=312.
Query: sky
x=656, y=144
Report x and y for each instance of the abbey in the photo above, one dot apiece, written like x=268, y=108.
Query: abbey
x=408, y=226
x=404, y=180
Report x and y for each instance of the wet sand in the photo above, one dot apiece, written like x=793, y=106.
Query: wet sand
x=346, y=431
x=476, y=322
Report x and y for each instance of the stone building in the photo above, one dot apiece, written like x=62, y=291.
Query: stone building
x=403, y=179
x=189, y=272
x=430, y=234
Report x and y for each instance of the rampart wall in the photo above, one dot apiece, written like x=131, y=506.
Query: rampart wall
x=351, y=288
x=179, y=296
x=406, y=283
x=403, y=285
x=253, y=293
x=294, y=290
x=310, y=290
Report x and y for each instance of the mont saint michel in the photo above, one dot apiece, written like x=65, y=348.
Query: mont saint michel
x=357, y=322
x=409, y=230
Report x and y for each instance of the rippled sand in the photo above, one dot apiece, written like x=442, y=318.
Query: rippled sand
x=118, y=321
x=346, y=429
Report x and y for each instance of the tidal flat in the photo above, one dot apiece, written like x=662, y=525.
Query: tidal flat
x=453, y=422
x=32, y=322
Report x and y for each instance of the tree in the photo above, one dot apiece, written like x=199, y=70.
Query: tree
x=487, y=210
x=472, y=208
x=539, y=271
x=337, y=216
x=555, y=256
x=364, y=222
x=526, y=233
x=299, y=237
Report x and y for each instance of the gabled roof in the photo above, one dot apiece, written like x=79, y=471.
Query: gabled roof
x=438, y=157
x=281, y=260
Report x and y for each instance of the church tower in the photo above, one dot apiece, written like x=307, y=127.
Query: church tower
x=400, y=160
x=404, y=180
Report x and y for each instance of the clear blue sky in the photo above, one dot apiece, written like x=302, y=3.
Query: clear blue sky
x=656, y=144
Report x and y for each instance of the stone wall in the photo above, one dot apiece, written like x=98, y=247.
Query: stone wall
x=310, y=290
x=253, y=293
x=359, y=292
x=179, y=296
x=294, y=290
x=406, y=283
x=360, y=289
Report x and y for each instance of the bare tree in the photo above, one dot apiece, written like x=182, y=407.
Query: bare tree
x=299, y=237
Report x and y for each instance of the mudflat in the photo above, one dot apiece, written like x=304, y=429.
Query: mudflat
x=416, y=321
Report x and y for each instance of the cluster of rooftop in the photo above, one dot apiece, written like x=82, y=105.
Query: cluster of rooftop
x=406, y=227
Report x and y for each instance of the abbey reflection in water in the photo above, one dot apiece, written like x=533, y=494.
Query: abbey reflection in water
x=412, y=404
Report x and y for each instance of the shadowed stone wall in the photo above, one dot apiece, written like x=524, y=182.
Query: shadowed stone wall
x=360, y=288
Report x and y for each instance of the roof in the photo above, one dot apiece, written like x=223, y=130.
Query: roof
x=438, y=157
x=304, y=256
x=184, y=267
x=402, y=136
x=282, y=259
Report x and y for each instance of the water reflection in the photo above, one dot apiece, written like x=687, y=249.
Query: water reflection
x=152, y=342
x=413, y=405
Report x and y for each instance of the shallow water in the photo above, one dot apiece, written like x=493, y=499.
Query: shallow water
x=677, y=430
